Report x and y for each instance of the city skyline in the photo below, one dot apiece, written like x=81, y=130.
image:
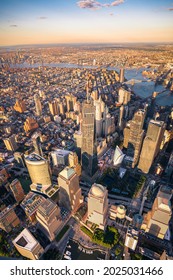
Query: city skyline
x=87, y=21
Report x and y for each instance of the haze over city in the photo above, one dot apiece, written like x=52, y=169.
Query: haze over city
x=87, y=21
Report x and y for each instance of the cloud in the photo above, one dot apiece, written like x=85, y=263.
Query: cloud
x=111, y=14
x=42, y=18
x=170, y=9
x=95, y=5
x=13, y=25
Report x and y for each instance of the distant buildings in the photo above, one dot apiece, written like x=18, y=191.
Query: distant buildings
x=156, y=221
x=10, y=143
x=54, y=107
x=38, y=106
x=151, y=144
x=20, y=106
x=8, y=219
x=17, y=190
x=70, y=100
x=48, y=218
x=98, y=205
x=70, y=192
x=30, y=125
x=27, y=245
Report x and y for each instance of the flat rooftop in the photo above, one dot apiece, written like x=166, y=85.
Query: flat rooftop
x=26, y=240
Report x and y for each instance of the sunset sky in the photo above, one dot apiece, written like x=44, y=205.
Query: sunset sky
x=87, y=21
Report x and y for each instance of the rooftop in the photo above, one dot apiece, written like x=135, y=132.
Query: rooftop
x=26, y=240
x=67, y=173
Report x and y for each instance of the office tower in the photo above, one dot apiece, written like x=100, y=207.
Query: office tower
x=70, y=193
x=99, y=110
x=121, y=116
x=20, y=106
x=88, y=151
x=74, y=163
x=169, y=168
x=19, y=157
x=39, y=170
x=17, y=190
x=151, y=144
x=109, y=125
x=122, y=75
x=30, y=204
x=131, y=237
x=124, y=96
x=38, y=106
x=30, y=125
x=118, y=157
x=8, y=219
x=156, y=221
x=54, y=107
x=10, y=143
x=126, y=133
x=48, y=218
x=70, y=100
x=37, y=144
x=27, y=245
x=136, y=136
x=98, y=205
x=60, y=157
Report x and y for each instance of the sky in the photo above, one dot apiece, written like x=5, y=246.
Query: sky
x=85, y=21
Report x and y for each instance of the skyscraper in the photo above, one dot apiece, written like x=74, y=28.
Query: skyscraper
x=20, y=106
x=70, y=100
x=151, y=144
x=30, y=125
x=38, y=106
x=70, y=192
x=124, y=96
x=136, y=136
x=37, y=144
x=74, y=163
x=156, y=221
x=17, y=190
x=48, y=217
x=53, y=107
x=88, y=151
x=98, y=205
x=122, y=75
x=99, y=110
x=39, y=170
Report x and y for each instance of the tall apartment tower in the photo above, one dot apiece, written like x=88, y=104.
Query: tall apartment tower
x=17, y=190
x=151, y=144
x=39, y=170
x=88, y=151
x=124, y=96
x=157, y=220
x=70, y=100
x=136, y=136
x=38, y=106
x=48, y=217
x=37, y=144
x=122, y=75
x=99, y=110
x=120, y=119
x=54, y=107
x=10, y=143
x=98, y=205
x=70, y=192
